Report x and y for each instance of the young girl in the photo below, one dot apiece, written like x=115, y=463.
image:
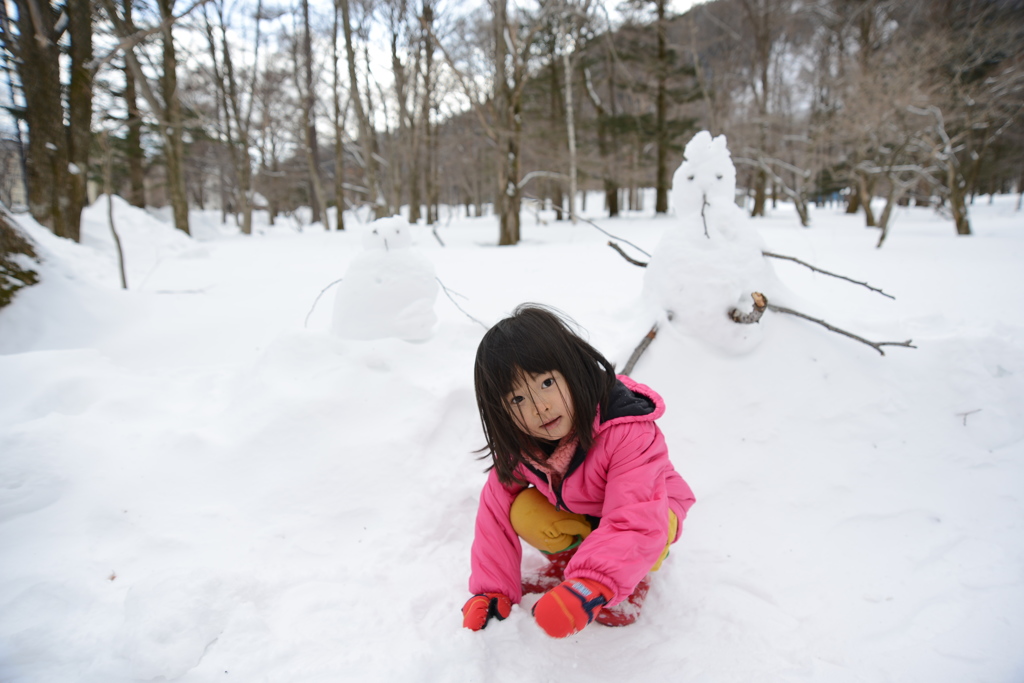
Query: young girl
x=580, y=471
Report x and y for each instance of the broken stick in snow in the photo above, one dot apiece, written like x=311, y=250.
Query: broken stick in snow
x=761, y=304
x=642, y=346
x=639, y=350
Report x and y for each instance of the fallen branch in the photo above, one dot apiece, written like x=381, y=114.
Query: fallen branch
x=825, y=272
x=641, y=347
x=452, y=299
x=317, y=299
x=877, y=346
x=624, y=255
x=108, y=185
x=769, y=254
x=639, y=350
x=614, y=237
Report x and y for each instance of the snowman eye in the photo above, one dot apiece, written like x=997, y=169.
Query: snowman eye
x=689, y=177
x=718, y=175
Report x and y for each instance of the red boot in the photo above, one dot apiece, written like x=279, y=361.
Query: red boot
x=627, y=611
x=550, y=575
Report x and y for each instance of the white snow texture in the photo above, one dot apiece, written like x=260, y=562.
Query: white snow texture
x=202, y=481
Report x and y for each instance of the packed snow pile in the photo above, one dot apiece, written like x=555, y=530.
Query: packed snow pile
x=146, y=240
x=389, y=289
x=710, y=260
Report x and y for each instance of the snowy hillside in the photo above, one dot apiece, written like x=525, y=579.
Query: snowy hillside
x=200, y=482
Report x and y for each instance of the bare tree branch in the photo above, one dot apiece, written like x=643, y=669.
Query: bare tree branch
x=761, y=304
x=614, y=237
x=317, y=299
x=452, y=299
x=639, y=350
x=825, y=272
x=541, y=174
x=877, y=346
x=704, y=205
x=131, y=41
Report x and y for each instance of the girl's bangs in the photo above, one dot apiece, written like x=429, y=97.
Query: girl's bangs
x=520, y=358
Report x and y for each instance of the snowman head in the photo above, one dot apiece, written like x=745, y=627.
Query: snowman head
x=387, y=234
x=706, y=175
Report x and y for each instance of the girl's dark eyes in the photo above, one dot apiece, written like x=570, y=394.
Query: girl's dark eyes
x=546, y=384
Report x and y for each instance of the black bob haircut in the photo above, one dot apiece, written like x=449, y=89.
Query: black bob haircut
x=533, y=340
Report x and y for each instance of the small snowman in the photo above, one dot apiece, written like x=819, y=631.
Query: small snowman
x=710, y=260
x=389, y=289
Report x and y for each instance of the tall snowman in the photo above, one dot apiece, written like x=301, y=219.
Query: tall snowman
x=710, y=259
x=389, y=289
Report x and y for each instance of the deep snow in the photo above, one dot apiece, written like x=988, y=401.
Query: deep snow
x=196, y=485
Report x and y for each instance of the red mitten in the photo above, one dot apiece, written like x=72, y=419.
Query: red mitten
x=571, y=605
x=480, y=608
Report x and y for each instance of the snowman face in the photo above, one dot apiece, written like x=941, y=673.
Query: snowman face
x=706, y=176
x=388, y=234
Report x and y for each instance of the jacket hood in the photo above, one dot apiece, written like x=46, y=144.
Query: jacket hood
x=629, y=402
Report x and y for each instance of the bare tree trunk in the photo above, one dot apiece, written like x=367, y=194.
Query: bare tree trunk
x=865, y=189
x=509, y=130
x=136, y=156
x=79, y=111
x=37, y=59
x=886, y=217
x=339, y=128
x=429, y=132
x=957, y=203
x=367, y=137
x=760, y=15
x=853, y=199
x=1020, y=191
x=435, y=187
x=169, y=110
x=243, y=164
x=415, y=182
x=174, y=146
x=607, y=148
x=309, y=120
x=415, y=198
x=570, y=124
x=661, y=202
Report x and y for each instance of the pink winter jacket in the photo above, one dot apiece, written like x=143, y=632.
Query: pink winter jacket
x=625, y=479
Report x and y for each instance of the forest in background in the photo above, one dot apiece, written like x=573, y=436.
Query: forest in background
x=282, y=104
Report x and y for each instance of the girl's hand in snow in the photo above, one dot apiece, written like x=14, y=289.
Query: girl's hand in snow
x=571, y=605
x=480, y=608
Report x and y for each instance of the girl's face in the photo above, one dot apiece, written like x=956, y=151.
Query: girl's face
x=541, y=405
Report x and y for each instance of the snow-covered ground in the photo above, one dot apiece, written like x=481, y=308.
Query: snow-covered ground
x=199, y=482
